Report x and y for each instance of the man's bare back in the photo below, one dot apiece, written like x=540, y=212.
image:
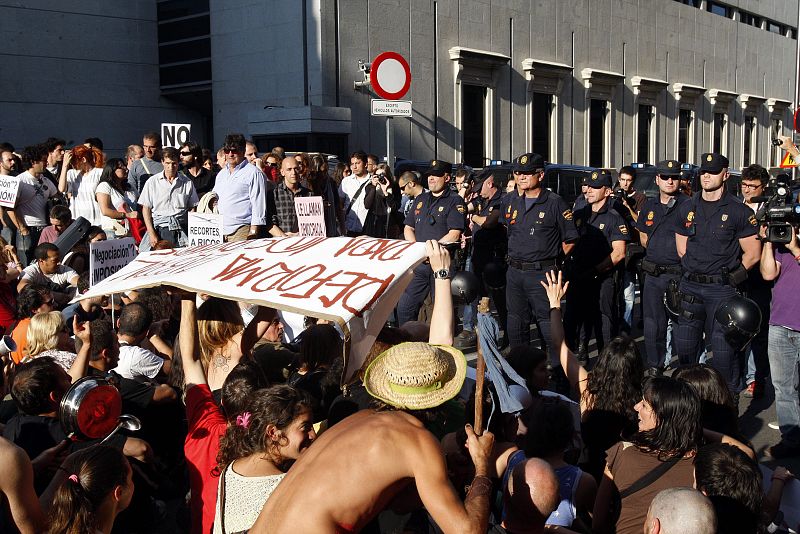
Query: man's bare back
x=355, y=469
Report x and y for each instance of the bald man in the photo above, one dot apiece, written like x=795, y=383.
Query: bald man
x=678, y=510
x=530, y=497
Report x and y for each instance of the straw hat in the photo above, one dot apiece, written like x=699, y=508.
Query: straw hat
x=416, y=376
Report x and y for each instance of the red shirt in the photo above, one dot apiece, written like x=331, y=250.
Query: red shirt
x=8, y=307
x=206, y=427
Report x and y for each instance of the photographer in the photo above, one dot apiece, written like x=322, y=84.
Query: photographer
x=628, y=203
x=780, y=263
x=381, y=198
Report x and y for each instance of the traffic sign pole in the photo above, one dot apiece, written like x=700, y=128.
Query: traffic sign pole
x=390, y=144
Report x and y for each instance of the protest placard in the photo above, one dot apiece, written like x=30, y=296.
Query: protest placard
x=204, y=229
x=353, y=281
x=310, y=216
x=108, y=257
x=9, y=185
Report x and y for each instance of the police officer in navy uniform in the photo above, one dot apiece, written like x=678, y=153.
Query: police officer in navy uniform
x=438, y=214
x=661, y=264
x=540, y=229
x=594, y=266
x=716, y=239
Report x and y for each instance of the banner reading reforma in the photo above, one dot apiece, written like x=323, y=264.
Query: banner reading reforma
x=108, y=257
x=310, y=217
x=353, y=281
x=204, y=229
x=9, y=185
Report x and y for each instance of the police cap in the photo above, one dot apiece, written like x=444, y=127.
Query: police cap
x=599, y=178
x=439, y=168
x=528, y=163
x=668, y=167
x=713, y=163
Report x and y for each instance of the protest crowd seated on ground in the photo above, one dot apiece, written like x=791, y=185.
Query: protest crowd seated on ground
x=259, y=409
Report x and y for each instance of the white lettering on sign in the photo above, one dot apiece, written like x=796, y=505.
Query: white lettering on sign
x=204, y=229
x=108, y=257
x=391, y=108
x=9, y=185
x=175, y=135
x=310, y=216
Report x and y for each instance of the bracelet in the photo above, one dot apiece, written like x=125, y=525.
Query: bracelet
x=797, y=258
x=555, y=308
x=782, y=479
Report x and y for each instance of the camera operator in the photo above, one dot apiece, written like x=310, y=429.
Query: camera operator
x=754, y=180
x=629, y=203
x=779, y=262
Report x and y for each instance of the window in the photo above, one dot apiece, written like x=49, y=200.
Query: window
x=693, y=3
x=750, y=19
x=791, y=32
x=720, y=123
x=749, y=140
x=718, y=9
x=644, y=133
x=473, y=114
x=685, y=119
x=774, y=27
x=776, y=129
x=597, y=132
x=542, y=121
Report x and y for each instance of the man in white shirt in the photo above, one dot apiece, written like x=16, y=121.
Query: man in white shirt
x=48, y=271
x=136, y=362
x=166, y=200
x=352, y=191
x=148, y=165
x=29, y=214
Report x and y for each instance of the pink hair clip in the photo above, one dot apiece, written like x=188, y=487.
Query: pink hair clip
x=243, y=420
x=74, y=478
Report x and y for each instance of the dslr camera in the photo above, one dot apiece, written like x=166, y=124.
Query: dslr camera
x=780, y=212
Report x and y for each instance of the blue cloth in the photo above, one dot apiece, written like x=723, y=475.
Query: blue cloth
x=242, y=197
x=500, y=372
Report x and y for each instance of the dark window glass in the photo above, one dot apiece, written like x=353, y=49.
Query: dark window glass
x=792, y=32
x=684, y=133
x=184, y=29
x=174, y=53
x=718, y=9
x=473, y=115
x=542, y=114
x=749, y=134
x=172, y=9
x=189, y=73
x=597, y=132
x=774, y=27
x=693, y=3
x=644, y=135
x=719, y=131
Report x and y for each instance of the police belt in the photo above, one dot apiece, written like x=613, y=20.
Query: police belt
x=655, y=269
x=532, y=265
x=734, y=277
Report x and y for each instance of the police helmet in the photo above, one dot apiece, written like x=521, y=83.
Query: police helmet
x=494, y=275
x=740, y=319
x=465, y=286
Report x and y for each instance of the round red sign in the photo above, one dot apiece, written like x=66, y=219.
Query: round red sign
x=390, y=75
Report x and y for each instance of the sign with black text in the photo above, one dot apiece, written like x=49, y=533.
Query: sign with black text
x=204, y=229
x=9, y=185
x=108, y=257
x=175, y=135
x=310, y=216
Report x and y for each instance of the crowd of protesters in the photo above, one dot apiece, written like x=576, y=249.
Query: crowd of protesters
x=245, y=430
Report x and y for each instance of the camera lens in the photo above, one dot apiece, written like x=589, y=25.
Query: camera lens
x=777, y=142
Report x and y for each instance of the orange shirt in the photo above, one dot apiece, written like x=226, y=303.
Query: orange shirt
x=20, y=337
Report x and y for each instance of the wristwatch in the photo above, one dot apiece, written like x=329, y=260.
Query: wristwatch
x=441, y=274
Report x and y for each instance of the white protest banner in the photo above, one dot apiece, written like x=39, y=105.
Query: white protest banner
x=9, y=185
x=204, y=229
x=175, y=135
x=353, y=281
x=108, y=257
x=310, y=217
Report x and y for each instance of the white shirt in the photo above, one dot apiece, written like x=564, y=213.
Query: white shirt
x=32, y=199
x=82, y=187
x=244, y=499
x=63, y=275
x=358, y=213
x=168, y=199
x=118, y=200
x=137, y=363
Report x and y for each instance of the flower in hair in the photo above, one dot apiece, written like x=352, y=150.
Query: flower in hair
x=243, y=419
x=73, y=478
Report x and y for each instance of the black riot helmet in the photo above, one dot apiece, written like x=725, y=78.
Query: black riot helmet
x=740, y=319
x=465, y=286
x=494, y=275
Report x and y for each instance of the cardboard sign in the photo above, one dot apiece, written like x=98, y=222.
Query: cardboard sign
x=205, y=229
x=310, y=216
x=175, y=135
x=108, y=257
x=9, y=186
x=353, y=281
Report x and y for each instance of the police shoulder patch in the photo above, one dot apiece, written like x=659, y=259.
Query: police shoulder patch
x=460, y=208
x=419, y=204
x=623, y=229
x=752, y=220
x=567, y=215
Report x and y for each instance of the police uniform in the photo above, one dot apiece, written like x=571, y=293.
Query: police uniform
x=590, y=297
x=711, y=269
x=661, y=264
x=489, y=246
x=537, y=227
x=431, y=217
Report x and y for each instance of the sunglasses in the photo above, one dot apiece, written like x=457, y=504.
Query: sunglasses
x=271, y=164
x=186, y=153
x=668, y=178
x=230, y=150
x=403, y=186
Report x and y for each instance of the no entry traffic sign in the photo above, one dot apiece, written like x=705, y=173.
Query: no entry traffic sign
x=390, y=75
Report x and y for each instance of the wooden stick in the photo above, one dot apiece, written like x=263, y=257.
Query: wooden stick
x=480, y=372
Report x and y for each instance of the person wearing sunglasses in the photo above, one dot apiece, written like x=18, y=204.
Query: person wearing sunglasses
x=241, y=190
x=661, y=263
x=192, y=166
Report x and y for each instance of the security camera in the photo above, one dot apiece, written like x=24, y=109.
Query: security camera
x=364, y=67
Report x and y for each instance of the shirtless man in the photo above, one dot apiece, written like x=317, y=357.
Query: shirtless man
x=374, y=460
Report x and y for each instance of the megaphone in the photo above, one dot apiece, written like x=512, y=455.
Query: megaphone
x=7, y=346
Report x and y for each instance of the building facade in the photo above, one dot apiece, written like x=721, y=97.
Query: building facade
x=594, y=82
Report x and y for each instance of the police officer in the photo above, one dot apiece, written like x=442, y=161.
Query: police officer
x=437, y=214
x=593, y=269
x=540, y=228
x=661, y=264
x=716, y=239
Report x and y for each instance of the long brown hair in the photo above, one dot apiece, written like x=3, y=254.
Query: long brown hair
x=218, y=320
